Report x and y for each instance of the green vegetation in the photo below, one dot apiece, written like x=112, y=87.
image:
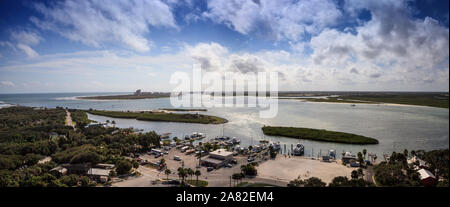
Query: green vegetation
x=159, y=116
x=25, y=124
x=397, y=172
x=249, y=170
x=199, y=183
x=123, y=167
x=318, y=135
x=79, y=117
x=310, y=182
x=25, y=139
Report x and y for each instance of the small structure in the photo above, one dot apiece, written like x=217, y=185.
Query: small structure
x=101, y=175
x=59, y=171
x=45, y=160
x=105, y=166
x=427, y=178
x=326, y=158
x=415, y=160
x=217, y=158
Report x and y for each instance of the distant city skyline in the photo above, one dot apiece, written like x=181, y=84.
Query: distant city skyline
x=315, y=45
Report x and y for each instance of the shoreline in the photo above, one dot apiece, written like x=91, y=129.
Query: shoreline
x=365, y=103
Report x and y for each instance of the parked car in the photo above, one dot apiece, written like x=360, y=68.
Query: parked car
x=158, y=155
x=251, y=159
x=177, y=158
x=233, y=161
x=209, y=169
x=229, y=165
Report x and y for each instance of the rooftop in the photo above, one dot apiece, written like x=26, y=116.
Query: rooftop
x=98, y=171
x=221, y=152
x=425, y=174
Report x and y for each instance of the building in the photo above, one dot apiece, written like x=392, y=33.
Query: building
x=138, y=92
x=221, y=154
x=417, y=162
x=101, y=175
x=427, y=178
x=59, y=171
x=105, y=166
x=217, y=158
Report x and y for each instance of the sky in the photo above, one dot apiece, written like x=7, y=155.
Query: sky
x=314, y=45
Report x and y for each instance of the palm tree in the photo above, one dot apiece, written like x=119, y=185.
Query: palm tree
x=354, y=174
x=236, y=177
x=405, y=153
x=197, y=173
x=360, y=158
x=167, y=172
x=182, y=174
x=364, y=152
x=190, y=172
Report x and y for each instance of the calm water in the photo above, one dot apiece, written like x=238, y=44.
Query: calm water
x=396, y=127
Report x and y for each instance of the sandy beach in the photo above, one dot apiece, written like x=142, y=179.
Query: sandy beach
x=287, y=169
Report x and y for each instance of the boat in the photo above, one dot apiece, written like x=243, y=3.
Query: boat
x=264, y=141
x=165, y=135
x=299, y=150
x=235, y=141
x=276, y=146
x=352, y=105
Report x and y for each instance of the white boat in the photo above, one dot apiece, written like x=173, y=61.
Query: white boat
x=299, y=150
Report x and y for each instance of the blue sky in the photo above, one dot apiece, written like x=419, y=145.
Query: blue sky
x=112, y=46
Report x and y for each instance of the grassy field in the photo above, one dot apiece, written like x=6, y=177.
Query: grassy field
x=201, y=183
x=318, y=135
x=159, y=116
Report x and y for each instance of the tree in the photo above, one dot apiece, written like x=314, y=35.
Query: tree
x=314, y=182
x=360, y=172
x=311, y=182
x=364, y=152
x=182, y=174
x=237, y=176
x=190, y=172
x=354, y=174
x=249, y=170
x=360, y=158
x=197, y=174
x=135, y=164
x=167, y=172
x=86, y=157
x=123, y=167
x=405, y=152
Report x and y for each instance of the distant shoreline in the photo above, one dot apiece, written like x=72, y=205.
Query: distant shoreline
x=125, y=97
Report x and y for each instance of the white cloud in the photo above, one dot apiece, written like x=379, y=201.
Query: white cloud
x=24, y=37
x=28, y=50
x=282, y=19
x=7, y=83
x=391, y=49
x=96, y=22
